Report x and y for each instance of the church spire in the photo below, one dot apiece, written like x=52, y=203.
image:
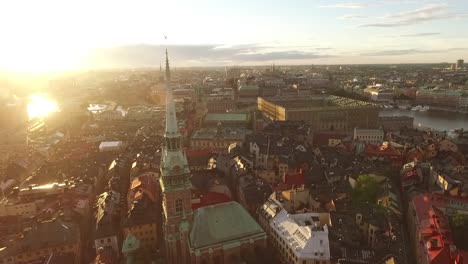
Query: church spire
x=168, y=70
x=172, y=130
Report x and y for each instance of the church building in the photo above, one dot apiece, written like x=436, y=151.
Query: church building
x=220, y=233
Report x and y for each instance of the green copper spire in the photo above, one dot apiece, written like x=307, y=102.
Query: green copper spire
x=173, y=159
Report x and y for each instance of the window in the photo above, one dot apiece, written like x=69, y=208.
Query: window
x=178, y=205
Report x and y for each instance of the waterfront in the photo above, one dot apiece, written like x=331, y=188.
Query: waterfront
x=435, y=119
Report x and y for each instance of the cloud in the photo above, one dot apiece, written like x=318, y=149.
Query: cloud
x=404, y=52
x=352, y=16
x=280, y=55
x=424, y=34
x=191, y=55
x=417, y=16
x=347, y=5
x=398, y=52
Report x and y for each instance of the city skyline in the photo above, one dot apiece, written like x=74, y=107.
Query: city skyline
x=64, y=35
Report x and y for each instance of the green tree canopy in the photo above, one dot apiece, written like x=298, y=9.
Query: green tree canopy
x=366, y=191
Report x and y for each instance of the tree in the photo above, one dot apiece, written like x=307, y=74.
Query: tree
x=366, y=191
x=459, y=225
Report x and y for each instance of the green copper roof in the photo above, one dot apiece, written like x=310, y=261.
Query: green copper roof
x=222, y=223
x=130, y=244
x=226, y=117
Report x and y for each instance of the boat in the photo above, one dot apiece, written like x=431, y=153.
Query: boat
x=416, y=108
x=424, y=108
x=402, y=107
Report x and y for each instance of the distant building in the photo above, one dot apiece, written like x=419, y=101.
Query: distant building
x=13, y=132
x=248, y=91
x=379, y=94
x=460, y=64
x=463, y=101
x=323, y=113
x=217, y=138
x=144, y=113
x=109, y=115
x=372, y=136
x=215, y=105
x=395, y=123
x=438, y=97
x=296, y=130
x=232, y=73
x=42, y=239
x=227, y=119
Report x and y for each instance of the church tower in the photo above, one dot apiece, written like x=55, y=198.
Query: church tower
x=175, y=185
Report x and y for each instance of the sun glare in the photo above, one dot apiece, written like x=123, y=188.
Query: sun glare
x=39, y=106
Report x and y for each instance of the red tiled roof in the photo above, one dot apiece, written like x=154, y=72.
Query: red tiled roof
x=197, y=152
x=382, y=150
x=146, y=184
x=294, y=179
x=422, y=203
x=435, y=231
x=211, y=198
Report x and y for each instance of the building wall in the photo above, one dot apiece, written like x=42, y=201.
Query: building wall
x=463, y=102
x=228, y=253
x=219, y=143
x=20, y=209
x=175, y=240
x=446, y=98
x=287, y=254
x=283, y=168
x=271, y=110
x=145, y=233
x=107, y=242
x=324, y=119
x=396, y=123
x=42, y=253
x=372, y=136
x=220, y=106
x=268, y=176
x=447, y=145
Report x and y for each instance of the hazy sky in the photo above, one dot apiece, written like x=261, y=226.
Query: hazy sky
x=65, y=34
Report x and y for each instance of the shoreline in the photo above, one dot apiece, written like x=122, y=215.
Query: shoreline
x=446, y=109
x=437, y=119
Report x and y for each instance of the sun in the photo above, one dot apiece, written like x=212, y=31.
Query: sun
x=39, y=106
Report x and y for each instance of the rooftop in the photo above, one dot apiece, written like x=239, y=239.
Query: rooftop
x=226, y=117
x=226, y=133
x=49, y=234
x=303, y=233
x=222, y=223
